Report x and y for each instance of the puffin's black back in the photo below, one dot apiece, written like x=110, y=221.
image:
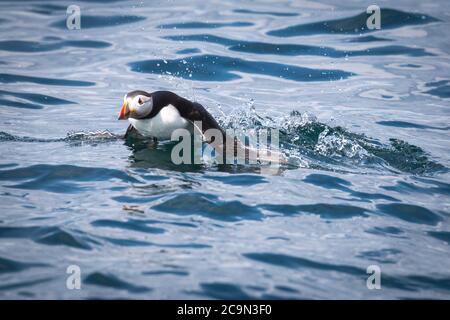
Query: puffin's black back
x=189, y=110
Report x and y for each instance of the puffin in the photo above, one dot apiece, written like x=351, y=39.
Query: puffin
x=156, y=115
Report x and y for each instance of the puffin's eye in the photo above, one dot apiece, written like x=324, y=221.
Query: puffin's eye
x=140, y=101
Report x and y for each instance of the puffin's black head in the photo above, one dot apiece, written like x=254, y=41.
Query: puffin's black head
x=136, y=104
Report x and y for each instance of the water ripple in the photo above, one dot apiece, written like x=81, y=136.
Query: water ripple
x=37, y=97
x=405, y=124
x=383, y=231
x=439, y=88
x=111, y=281
x=324, y=210
x=54, y=236
x=24, y=284
x=13, y=78
x=131, y=224
x=221, y=290
x=291, y=262
x=381, y=256
x=364, y=39
x=410, y=213
x=354, y=25
x=8, y=265
x=204, y=25
x=141, y=243
x=222, y=68
x=37, y=100
x=34, y=46
x=239, y=180
x=404, y=187
x=60, y=178
x=209, y=206
x=88, y=22
x=409, y=282
x=441, y=235
x=285, y=49
x=270, y=13
x=331, y=182
x=166, y=272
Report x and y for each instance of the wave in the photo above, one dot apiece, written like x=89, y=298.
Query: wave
x=14, y=78
x=403, y=282
x=270, y=13
x=309, y=143
x=221, y=68
x=60, y=178
x=43, y=46
x=285, y=49
x=440, y=89
x=305, y=142
x=52, y=236
x=88, y=22
x=33, y=100
x=74, y=137
x=391, y=19
x=204, y=25
x=111, y=281
x=9, y=265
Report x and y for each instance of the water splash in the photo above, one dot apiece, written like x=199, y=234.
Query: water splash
x=92, y=136
x=306, y=142
x=75, y=136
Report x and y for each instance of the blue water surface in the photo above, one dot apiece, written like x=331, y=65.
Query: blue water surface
x=363, y=117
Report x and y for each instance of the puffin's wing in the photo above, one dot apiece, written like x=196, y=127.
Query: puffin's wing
x=197, y=112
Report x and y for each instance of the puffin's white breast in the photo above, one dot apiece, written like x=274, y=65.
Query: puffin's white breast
x=162, y=125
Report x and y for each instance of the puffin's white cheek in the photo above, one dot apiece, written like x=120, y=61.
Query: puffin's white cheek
x=144, y=110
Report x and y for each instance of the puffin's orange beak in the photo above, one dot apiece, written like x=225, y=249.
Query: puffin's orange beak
x=124, y=111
